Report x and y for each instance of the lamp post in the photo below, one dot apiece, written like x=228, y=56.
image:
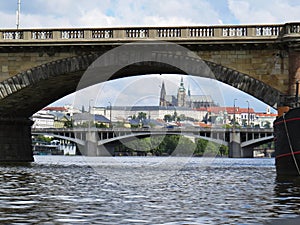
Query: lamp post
x=234, y=112
x=18, y=14
x=89, y=114
x=110, y=123
x=90, y=105
x=297, y=92
x=248, y=115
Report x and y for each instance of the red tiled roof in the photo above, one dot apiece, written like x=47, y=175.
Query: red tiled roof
x=201, y=124
x=229, y=110
x=55, y=109
x=266, y=115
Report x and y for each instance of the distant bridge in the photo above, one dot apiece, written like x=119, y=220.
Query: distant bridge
x=97, y=142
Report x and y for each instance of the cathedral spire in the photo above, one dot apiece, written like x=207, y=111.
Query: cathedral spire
x=162, y=101
x=181, y=101
x=181, y=87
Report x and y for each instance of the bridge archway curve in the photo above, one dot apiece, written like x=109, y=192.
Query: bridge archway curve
x=31, y=90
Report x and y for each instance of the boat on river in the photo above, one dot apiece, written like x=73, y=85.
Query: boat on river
x=287, y=143
x=53, y=148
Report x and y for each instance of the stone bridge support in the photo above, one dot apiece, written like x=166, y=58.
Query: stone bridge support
x=235, y=148
x=91, y=147
x=235, y=145
x=15, y=140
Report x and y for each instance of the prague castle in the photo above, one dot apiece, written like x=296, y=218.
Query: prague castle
x=184, y=98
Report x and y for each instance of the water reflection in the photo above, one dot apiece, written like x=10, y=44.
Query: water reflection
x=65, y=190
x=286, y=201
x=287, y=192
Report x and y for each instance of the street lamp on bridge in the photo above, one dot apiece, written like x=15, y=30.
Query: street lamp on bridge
x=234, y=112
x=248, y=123
x=110, y=107
x=18, y=14
x=90, y=105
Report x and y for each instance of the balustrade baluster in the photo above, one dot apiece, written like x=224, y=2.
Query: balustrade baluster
x=192, y=32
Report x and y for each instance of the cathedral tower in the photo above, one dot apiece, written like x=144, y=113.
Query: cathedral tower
x=162, y=100
x=181, y=95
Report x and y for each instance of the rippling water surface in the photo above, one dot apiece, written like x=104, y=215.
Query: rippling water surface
x=146, y=190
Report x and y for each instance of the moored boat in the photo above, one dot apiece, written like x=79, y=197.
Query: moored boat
x=287, y=143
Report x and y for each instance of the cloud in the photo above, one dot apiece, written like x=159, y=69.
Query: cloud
x=104, y=13
x=262, y=12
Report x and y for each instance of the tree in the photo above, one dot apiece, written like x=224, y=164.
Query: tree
x=223, y=150
x=181, y=117
x=167, y=118
x=68, y=124
x=142, y=116
x=43, y=138
x=174, y=116
x=200, y=147
x=267, y=124
x=208, y=148
x=185, y=147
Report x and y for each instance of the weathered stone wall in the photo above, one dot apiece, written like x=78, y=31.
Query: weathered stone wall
x=16, y=62
x=268, y=66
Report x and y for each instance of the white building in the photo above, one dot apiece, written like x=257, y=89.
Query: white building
x=226, y=115
x=265, y=120
x=42, y=119
x=67, y=110
x=123, y=113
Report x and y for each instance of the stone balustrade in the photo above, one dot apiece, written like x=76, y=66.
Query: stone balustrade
x=41, y=35
x=159, y=33
x=137, y=33
x=201, y=32
x=234, y=32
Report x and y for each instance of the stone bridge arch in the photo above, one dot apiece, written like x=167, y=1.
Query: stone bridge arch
x=27, y=92
x=31, y=90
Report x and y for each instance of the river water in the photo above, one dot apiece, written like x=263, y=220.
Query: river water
x=146, y=190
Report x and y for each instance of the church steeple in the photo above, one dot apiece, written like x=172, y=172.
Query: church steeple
x=162, y=101
x=181, y=87
x=189, y=99
x=181, y=101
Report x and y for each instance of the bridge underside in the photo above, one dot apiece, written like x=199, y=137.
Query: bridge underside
x=27, y=92
x=15, y=140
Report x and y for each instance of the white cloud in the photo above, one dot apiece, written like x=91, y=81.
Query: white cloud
x=9, y=21
x=104, y=13
x=91, y=13
x=261, y=12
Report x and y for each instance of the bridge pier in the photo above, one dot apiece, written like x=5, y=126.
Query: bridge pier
x=91, y=147
x=235, y=148
x=15, y=140
x=235, y=145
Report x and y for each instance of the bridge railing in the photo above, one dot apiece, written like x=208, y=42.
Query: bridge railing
x=161, y=33
x=196, y=129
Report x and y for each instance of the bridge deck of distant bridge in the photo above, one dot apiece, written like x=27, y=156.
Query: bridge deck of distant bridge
x=248, y=136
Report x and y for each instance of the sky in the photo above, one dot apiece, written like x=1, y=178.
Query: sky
x=120, y=13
